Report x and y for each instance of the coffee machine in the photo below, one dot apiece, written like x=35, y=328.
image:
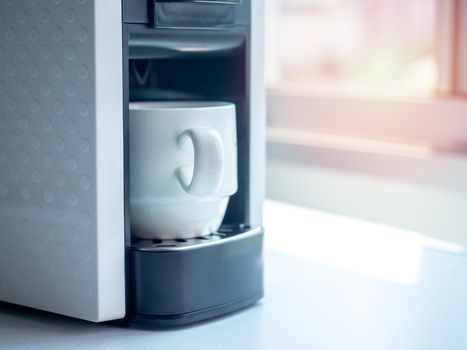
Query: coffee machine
x=68, y=71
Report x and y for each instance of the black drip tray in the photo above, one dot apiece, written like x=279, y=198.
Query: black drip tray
x=182, y=281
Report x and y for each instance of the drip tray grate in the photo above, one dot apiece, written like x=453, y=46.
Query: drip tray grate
x=224, y=233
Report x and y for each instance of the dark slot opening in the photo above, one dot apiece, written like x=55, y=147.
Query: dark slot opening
x=162, y=72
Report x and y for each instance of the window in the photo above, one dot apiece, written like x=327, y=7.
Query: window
x=356, y=46
x=390, y=70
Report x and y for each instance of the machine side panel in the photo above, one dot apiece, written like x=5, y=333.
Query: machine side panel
x=110, y=160
x=257, y=114
x=50, y=237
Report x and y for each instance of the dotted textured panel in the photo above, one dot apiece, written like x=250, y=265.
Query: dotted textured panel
x=47, y=156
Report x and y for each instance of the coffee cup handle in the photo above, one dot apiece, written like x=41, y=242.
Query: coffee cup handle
x=208, y=162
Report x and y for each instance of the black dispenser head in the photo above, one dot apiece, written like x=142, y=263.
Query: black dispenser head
x=194, y=13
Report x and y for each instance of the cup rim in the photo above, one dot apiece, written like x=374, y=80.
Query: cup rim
x=178, y=105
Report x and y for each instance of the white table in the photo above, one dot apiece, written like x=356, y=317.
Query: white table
x=331, y=283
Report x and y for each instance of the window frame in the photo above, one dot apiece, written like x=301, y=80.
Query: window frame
x=439, y=123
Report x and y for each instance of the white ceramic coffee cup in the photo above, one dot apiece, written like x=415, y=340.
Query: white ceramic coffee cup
x=183, y=167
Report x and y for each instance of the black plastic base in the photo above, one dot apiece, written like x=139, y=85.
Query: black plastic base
x=182, y=320
x=180, y=282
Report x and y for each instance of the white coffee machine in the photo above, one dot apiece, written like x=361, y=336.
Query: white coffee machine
x=68, y=72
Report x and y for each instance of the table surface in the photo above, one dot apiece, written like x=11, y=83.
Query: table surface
x=331, y=283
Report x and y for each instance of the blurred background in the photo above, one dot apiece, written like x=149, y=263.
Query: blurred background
x=367, y=110
x=354, y=46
